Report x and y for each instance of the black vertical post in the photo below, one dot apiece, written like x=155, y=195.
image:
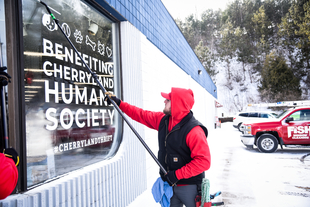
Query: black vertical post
x=3, y=83
x=3, y=116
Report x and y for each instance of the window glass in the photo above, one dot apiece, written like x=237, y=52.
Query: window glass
x=264, y=115
x=296, y=116
x=306, y=115
x=253, y=114
x=244, y=114
x=284, y=113
x=302, y=115
x=68, y=123
x=270, y=116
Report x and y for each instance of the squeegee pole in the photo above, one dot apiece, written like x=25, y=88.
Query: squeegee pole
x=3, y=106
x=4, y=117
x=95, y=76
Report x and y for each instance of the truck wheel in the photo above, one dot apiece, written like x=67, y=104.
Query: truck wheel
x=267, y=143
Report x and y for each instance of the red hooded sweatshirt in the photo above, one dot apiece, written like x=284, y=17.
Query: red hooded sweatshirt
x=182, y=101
x=9, y=176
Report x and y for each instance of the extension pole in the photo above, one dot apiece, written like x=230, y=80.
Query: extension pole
x=4, y=121
x=95, y=76
x=3, y=106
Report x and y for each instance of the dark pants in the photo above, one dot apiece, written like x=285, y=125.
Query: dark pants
x=184, y=195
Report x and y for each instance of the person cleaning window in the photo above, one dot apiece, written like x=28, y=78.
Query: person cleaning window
x=183, y=147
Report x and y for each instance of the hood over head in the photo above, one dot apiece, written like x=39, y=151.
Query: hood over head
x=182, y=101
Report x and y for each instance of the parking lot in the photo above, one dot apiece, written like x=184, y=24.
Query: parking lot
x=250, y=178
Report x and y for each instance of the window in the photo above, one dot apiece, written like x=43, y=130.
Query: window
x=305, y=115
x=302, y=115
x=253, y=114
x=265, y=116
x=68, y=123
x=244, y=114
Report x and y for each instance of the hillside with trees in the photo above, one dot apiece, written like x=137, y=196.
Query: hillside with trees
x=255, y=51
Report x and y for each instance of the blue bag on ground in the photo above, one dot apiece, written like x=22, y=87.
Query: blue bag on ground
x=162, y=192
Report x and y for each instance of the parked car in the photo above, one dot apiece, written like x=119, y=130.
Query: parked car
x=290, y=129
x=247, y=117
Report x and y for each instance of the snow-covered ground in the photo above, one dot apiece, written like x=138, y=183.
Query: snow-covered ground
x=248, y=178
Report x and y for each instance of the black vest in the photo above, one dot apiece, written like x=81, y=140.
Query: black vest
x=173, y=152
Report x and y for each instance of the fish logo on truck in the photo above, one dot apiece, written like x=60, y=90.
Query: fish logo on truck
x=298, y=132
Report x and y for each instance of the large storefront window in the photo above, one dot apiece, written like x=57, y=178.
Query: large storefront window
x=68, y=123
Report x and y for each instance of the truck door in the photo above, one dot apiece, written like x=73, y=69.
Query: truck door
x=297, y=131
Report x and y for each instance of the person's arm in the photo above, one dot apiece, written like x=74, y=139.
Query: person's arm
x=197, y=142
x=148, y=118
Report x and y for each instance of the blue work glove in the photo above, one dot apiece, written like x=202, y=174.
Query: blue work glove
x=113, y=97
x=171, y=178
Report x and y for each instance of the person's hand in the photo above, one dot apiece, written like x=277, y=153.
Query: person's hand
x=4, y=78
x=171, y=178
x=11, y=153
x=113, y=97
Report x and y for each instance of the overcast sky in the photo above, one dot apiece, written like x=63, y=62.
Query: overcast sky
x=183, y=8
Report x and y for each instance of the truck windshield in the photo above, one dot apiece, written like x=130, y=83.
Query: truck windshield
x=283, y=114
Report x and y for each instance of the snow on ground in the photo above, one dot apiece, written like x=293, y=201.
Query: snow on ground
x=248, y=178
